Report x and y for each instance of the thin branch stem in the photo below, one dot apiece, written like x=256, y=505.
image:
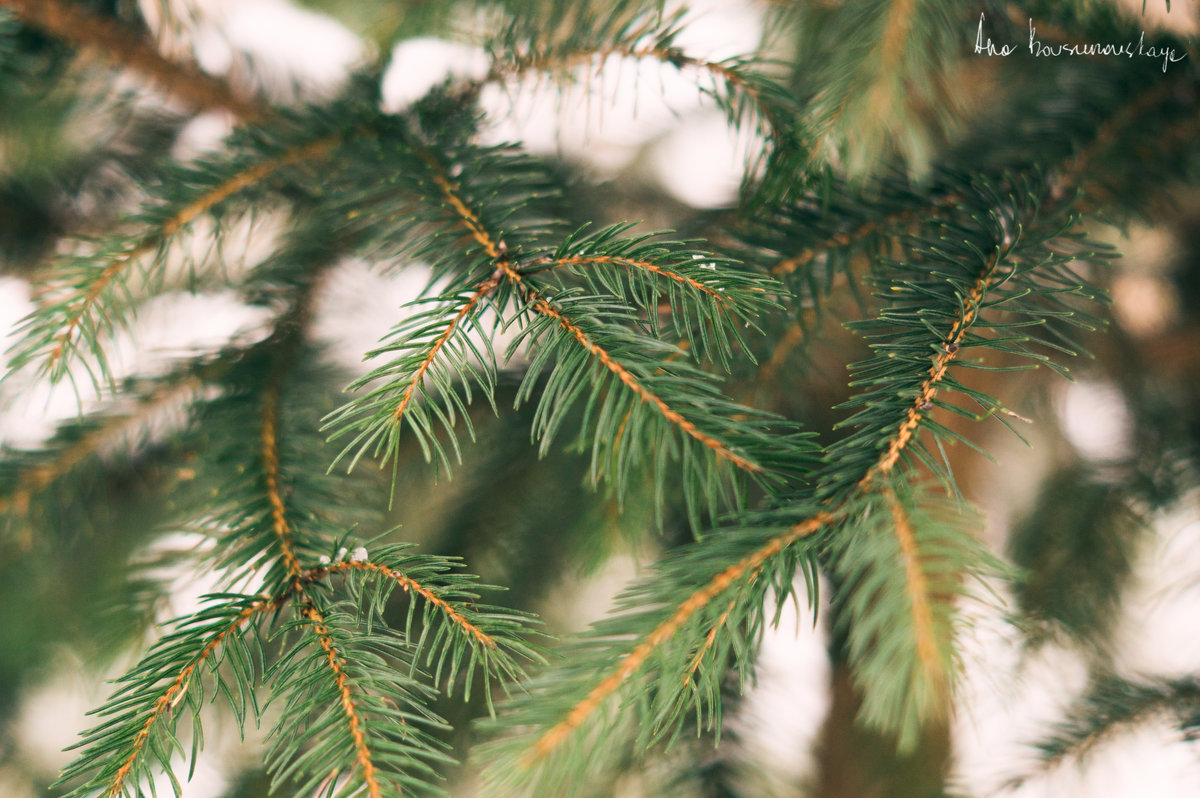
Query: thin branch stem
x=750, y=565
x=36, y=478
x=187, y=214
x=918, y=590
x=929, y=387
x=625, y=376
x=709, y=640
x=746, y=569
x=178, y=688
x=667, y=55
x=498, y=251
x=270, y=460
x=337, y=665
x=408, y=584
x=632, y=264
x=485, y=288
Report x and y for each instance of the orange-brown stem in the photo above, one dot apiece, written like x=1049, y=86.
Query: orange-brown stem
x=354, y=718
x=643, y=265
x=628, y=379
x=487, y=287
x=270, y=459
x=407, y=583
x=747, y=567
x=918, y=591
x=172, y=225
x=178, y=688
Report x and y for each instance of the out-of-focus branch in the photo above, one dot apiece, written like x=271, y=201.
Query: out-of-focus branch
x=125, y=47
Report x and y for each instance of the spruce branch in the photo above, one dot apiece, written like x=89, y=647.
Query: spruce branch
x=337, y=665
x=488, y=639
x=561, y=40
x=352, y=716
x=743, y=570
x=88, y=295
x=78, y=442
x=541, y=306
x=897, y=572
x=114, y=42
x=140, y=715
x=270, y=461
x=715, y=426
x=1111, y=706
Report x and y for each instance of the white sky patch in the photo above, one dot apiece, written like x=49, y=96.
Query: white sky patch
x=781, y=716
x=1007, y=698
x=52, y=714
x=15, y=304
x=602, y=118
x=1156, y=635
x=202, y=135
x=702, y=162
x=717, y=29
x=179, y=325
x=1095, y=419
x=168, y=327
x=418, y=65
x=358, y=306
x=287, y=44
x=285, y=49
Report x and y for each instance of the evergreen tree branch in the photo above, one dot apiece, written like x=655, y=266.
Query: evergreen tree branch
x=408, y=584
x=918, y=590
x=115, y=751
x=485, y=288
x=352, y=711
x=541, y=306
x=739, y=572
x=106, y=429
x=1112, y=704
x=174, y=693
x=937, y=371
x=710, y=300
x=346, y=697
x=709, y=640
x=457, y=633
x=898, y=578
x=124, y=47
x=270, y=461
x=848, y=238
x=631, y=264
x=732, y=72
x=80, y=309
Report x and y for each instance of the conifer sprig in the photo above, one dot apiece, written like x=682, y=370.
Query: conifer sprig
x=616, y=334
x=28, y=474
x=899, y=553
x=437, y=352
x=593, y=338
x=353, y=723
x=570, y=41
x=709, y=300
x=1112, y=705
x=95, y=294
x=69, y=22
x=455, y=633
x=140, y=717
